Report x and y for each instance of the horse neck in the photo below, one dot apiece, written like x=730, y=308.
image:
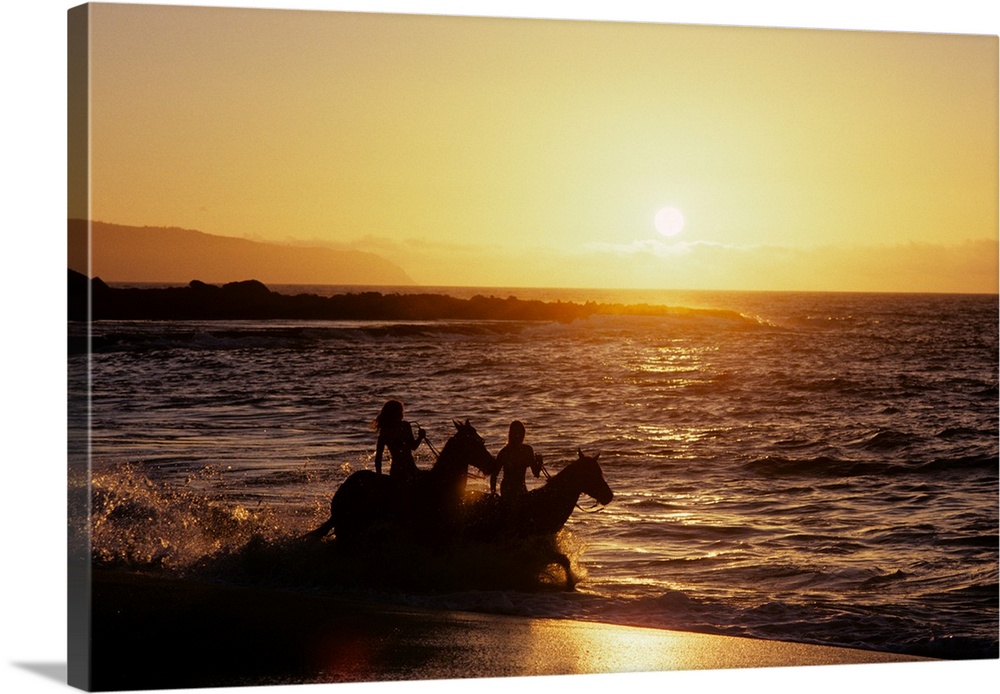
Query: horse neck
x=564, y=488
x=570, y=476
x=451, y=463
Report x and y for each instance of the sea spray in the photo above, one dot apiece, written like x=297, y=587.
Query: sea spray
x=137, y=523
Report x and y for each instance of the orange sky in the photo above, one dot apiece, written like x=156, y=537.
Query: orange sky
x=516, y=152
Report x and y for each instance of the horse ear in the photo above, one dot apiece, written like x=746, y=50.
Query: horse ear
x=458, y=424
x=579, y=452
x=597, y=455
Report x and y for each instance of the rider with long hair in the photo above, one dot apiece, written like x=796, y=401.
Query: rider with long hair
x=395, y=433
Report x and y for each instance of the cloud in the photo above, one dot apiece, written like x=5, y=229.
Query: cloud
x=965, y=267
x=968, y=266
x=654, y=247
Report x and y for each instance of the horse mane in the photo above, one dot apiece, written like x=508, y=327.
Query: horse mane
x=450, y=457
x=575, y=466
x=454, y=440
x=566, y=477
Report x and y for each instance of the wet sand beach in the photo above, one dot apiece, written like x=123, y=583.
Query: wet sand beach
x=153, y=632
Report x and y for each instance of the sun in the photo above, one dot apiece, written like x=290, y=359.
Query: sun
x=669, y=221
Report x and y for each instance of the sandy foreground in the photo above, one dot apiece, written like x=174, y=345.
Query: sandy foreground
x=156, y=633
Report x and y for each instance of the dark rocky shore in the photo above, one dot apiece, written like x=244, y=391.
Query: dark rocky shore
x=252, y=300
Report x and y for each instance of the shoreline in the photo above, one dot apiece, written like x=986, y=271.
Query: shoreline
x=93, y=299
x=156, y=632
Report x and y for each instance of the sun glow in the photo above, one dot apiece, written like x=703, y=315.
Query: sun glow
x=669, y=221
x=573, y=205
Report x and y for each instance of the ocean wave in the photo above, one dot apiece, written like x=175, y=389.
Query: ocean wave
x=823, y=623
x=831, y=467
x=819, y=466
x=959, y=433
x=884, y=440
x=989, y=462
x=985, y=540
x=882, y=579
x=862, y=627
x=218, y=337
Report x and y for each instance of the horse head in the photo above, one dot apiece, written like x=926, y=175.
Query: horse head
x=465, y=448
x=469, y=447
x=592, y=479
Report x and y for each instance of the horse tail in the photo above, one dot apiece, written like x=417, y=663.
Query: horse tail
x=332, y=522
x=320, y=532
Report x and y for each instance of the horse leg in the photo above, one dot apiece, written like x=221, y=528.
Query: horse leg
x=563, y=561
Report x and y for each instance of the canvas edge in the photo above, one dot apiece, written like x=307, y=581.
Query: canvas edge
x=78, y=646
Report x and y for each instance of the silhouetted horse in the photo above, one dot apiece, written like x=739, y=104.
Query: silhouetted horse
x=542, y=511
x=429, y=504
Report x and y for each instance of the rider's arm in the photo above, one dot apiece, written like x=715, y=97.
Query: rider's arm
x=536, y=462
x=379, y=448
x=500, y=462
x=407, y=435
x=421, y=435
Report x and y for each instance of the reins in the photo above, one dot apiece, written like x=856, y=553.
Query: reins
x=595, y=509
x=428, y=442
x=431, y=446
x=437, y=453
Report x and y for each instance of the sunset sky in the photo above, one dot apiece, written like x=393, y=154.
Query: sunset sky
x=534, y=152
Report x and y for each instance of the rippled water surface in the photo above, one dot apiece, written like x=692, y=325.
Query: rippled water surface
x=814, y=467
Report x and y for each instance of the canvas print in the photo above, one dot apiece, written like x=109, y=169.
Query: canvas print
x=412, y=347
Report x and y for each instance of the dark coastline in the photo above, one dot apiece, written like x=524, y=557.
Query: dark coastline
x=252, y=300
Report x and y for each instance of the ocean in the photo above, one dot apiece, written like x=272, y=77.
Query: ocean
x=811, y=467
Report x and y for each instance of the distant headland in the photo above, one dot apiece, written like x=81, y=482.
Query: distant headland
x=252, y=300
x=121, y=253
